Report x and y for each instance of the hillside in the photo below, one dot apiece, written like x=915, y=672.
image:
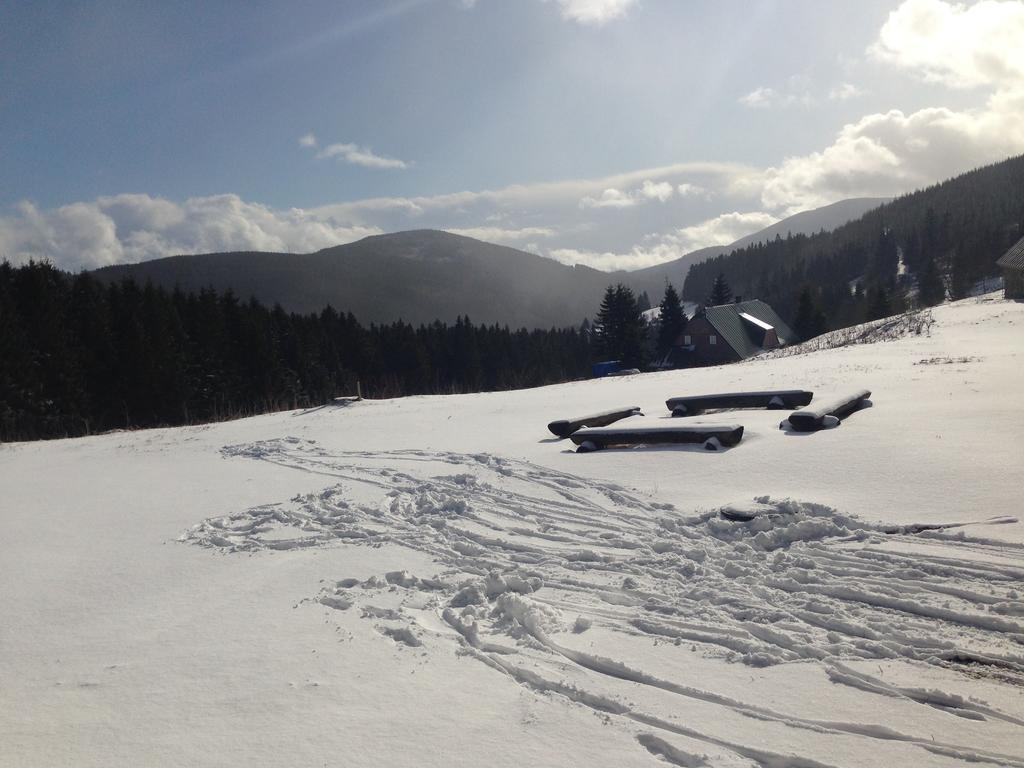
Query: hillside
x=435, y=581
x=828, y=217
x=416, y=276
x=928, y=244
x=424, y=275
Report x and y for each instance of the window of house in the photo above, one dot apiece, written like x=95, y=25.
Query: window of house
x=712, y=340
x=686, y=340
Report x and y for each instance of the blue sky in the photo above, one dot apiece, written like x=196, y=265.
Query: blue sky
x=616, y=133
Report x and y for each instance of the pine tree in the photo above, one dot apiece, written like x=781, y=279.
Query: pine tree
x=885, y=263
x=930, y=289
x=672, y=320
x=721, y=293
x=620, y=327
x=810, y=320
x=879, y=306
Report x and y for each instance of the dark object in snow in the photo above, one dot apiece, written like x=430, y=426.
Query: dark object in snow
x=772, y=399
x=565, y=427
x=744, y=512
x=811, y=419
x=712, y=435
x=604, y=368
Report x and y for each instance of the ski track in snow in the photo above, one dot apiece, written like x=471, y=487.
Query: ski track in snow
x=527, y=554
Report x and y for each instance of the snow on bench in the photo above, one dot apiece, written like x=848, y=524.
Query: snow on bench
x=565, y=427
x=829, y=413
x=713, y=436
x=772, y=399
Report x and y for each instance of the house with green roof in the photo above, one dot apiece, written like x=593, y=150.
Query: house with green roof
x=730, y=332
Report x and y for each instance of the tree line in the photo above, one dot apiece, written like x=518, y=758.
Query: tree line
x=78, y=356
x=926, y=246
x=621, y=332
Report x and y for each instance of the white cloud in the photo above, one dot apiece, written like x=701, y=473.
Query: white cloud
x=797, y=90
x=127, y=228
x=353, y=154
x=736, y=178
x=890, y=153
x=616, y=198
x=137, y=227
x=956, y=45
x=658, y=249
x=845, y=92
x=595, y=12
x=691, y=190
x=760, y=98
x=503, y=235
x=610, y=198
x=660, y=191
x=721, y=230
x=894, y=152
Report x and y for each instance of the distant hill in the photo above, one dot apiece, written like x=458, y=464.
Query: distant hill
x=652, y=279
x=424, y=275
x=417, y=276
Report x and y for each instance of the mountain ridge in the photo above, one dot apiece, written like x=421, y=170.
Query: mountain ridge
x=418, y=276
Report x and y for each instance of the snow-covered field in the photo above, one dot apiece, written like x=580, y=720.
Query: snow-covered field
x=438, y=581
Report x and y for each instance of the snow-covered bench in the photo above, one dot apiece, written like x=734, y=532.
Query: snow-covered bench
x=565, y=427
x=772, y=399
x=713, y=436
x=829, y=413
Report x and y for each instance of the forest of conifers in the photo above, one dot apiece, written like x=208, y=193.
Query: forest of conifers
x=949, y=235
x=79, y=357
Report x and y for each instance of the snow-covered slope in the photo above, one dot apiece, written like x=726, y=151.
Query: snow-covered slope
x=437, y=581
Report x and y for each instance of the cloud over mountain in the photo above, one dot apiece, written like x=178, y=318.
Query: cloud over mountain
x=886, y=153
x=136, y=227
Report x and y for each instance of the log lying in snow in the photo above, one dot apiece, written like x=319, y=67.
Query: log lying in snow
x=713, y=435
x=821, y=416
x=565, y=427
x=773, y=399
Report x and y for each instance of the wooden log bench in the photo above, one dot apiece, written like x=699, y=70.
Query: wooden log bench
x=772, y=399
x=829, y=412
x=712, y=435
x=565, y=427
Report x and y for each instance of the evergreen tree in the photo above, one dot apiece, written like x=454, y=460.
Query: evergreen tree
x=885, y=262
x=620, y=327
x=930, y=289
x=721, y=293
x=878, y=305
x=962, y=276
x=644, y=301
x=672, y=320
x=810, y=320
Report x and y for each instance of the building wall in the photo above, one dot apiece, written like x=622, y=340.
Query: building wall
x=700, y=332
x=1013, y=280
